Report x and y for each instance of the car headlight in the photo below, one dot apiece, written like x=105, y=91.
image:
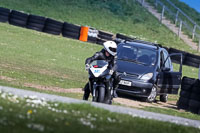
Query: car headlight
x=147, y=76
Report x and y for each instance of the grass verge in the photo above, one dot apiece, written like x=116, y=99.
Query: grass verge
x=37, y=115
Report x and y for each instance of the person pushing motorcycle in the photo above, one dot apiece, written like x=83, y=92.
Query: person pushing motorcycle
x=108, y=53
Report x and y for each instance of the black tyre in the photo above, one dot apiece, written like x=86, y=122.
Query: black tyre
x=35, y=18
x=34, y=28
x=92, y=39
x=35, y=25
x=4, y=18
x=4, y=10
x=71, y=27
x=164, y=98
x=100, y=41
x=52, y=28
x=4, y=14
x=17, y=22
x=105, y=37
x=52, y=32
x=186, y=87
x=105, y=34
x=194, y=106
x=188, y=81
x=176, y=59
x=185, y=94
x=196, y=90
x=71, y=35
x=19, y=18
x=191, y=59
x=192, y=64
x=55, y=22
x=101, y=94
x=183, y=103
x=19, y=14
x=195, y=96
x=193, y=56
x=124, y=37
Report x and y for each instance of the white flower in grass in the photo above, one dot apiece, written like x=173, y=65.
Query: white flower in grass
x=53, y=109
x=93, y=119
x=4, y=96
x=1, y=108
x=32, y=97
x=86, y=123
x=21, y=116
x=34, y=126
x=65, y=111
x=56, y=104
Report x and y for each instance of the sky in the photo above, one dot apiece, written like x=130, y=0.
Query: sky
x=193, y=3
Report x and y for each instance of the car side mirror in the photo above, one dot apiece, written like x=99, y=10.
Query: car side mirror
x=165, y=69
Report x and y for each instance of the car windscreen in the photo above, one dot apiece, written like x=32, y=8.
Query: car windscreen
x=139, y=55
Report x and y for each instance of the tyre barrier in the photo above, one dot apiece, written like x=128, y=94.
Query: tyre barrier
x=36, y=22
x=189, y=99
x=92, y=35
x=18, y=18
x=53, y=26
x=124, y=37
x=105, y=35
x=4, y=14
x=71, y=30
x=100, y=41
x=176, y=59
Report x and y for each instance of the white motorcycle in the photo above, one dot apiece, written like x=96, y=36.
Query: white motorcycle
x=101, y=81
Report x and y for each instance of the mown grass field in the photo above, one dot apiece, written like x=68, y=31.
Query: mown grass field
x=114, y=15
x=35, y=115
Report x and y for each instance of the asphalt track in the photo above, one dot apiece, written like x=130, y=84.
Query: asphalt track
x=111, y=108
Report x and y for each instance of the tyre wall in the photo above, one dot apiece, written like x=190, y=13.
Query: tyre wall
x=190, y=95
x=65, y=29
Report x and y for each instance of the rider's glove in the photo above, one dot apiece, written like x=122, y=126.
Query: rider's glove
x=87, y=66
x=111, y=72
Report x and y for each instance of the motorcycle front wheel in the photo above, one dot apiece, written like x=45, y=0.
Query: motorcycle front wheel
x=101, y=94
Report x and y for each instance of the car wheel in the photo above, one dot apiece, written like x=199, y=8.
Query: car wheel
x=164, y=98
x=152, y=97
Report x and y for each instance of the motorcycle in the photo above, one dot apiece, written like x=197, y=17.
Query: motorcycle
x=101, y=82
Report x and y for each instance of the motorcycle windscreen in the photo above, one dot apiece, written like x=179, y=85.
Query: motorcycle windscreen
x=169, y=82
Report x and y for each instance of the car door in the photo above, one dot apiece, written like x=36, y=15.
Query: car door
x=168, y=80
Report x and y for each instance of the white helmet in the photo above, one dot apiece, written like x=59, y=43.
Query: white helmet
x=111, y=47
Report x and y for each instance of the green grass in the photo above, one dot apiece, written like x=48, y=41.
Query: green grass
x=32, y=115
x=113, y=15
x=31, y=57
x=173, y=112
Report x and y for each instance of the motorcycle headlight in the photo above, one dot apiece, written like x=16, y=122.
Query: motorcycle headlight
x=147, y=76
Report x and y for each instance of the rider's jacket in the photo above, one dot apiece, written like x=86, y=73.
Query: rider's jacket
x=101, y=56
